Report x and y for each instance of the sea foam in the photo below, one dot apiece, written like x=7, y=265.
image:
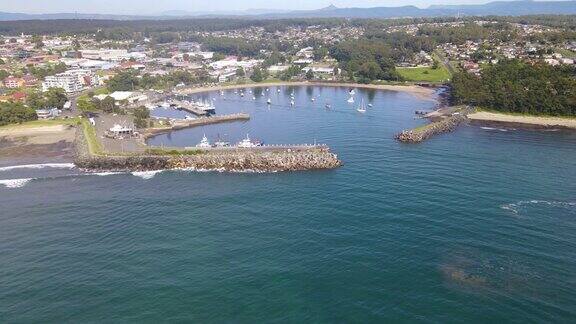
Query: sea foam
x=39, y=166
x=15, y=183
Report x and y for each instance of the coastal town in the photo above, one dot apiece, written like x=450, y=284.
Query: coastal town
x=112, y=78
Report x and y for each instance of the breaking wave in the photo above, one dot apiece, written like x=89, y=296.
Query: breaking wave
x=146, y=175
x=515, y=207
x=15, y=183
x=39, y=166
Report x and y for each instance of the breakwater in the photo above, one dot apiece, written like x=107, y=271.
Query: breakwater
x=422, y=133
x=223, y=160
x=270, y=159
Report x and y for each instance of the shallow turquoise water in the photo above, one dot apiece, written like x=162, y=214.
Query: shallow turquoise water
x=474, y=226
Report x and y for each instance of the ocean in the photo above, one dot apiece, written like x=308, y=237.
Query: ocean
x=473, y=226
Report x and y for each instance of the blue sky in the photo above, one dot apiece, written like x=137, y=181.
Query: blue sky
x=154, y=7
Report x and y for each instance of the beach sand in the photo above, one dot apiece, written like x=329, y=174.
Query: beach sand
x=534, y=121
x=41, y=144
x=418, y=91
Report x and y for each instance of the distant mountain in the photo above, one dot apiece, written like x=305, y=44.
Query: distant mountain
x=499, y=8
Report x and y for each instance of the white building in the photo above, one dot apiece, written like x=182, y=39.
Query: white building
x=71, y=81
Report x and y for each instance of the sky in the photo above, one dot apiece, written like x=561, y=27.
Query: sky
x=146, y=7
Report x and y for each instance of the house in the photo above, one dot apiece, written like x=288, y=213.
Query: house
x=48, y=113
x=13, y=82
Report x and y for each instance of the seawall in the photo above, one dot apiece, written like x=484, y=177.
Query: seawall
x=234, y=160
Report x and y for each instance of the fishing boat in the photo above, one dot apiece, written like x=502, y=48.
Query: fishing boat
x=247, y=143
x=361, y=108
x=221, y=143
x=204, y=143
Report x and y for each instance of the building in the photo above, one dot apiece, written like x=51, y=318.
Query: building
x=13, y=82
x=124, y=96
x=71, y=81
x=47, y=113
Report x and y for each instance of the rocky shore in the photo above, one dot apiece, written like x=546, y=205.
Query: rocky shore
x=233, y=160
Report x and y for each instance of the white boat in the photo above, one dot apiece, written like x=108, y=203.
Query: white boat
x=292, y=103
x=221, y=92
x=370, y=105
x=361, y=108
x=278, y=90
x=253, y=98
x=241, y=94
x=351, y=100
x=204, y=143
x=313, y=99
x=247, y=143
x=269, y=101
x=352, y=92
x=189, y=118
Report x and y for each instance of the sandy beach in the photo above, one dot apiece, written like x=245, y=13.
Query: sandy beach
x=36, y=144
x=418, y=91
x=534, y=121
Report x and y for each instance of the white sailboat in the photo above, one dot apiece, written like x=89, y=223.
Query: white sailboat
x=361, y=108
x=351, y=100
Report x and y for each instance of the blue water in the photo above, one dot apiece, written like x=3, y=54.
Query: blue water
x=474, y=226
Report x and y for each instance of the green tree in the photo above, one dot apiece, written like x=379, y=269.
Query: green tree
x=4, y=74
x=123, y=81
x=86, y=106
x=55, y=97
x=309, y=74
x=240, y=72
x=257, y=75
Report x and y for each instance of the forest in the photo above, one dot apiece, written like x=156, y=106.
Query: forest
x=514, y=86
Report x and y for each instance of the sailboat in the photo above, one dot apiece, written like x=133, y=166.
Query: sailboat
x=351, y=100
x=361, y=108
x=269, y=101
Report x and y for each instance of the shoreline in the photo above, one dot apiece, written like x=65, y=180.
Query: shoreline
x=531, y=122
x=418, y=91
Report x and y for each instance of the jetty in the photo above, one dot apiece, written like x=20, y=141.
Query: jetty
x=444, y=121
x=187, y=123
x=192, y=108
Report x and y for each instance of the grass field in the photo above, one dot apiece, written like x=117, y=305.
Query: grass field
x=42, y=123
x=425, y=74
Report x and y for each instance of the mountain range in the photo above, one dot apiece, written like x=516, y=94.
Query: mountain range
x=498, y=8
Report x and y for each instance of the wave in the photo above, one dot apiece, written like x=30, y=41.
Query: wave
x=514, y=208
x=146, y=175
x=15, y=183
x=39, y=166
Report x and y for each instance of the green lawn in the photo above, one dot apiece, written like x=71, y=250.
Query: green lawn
x=425, y=74
x=42, y=123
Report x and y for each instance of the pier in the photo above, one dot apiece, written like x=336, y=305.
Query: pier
x=184, y=123
x=191, y=108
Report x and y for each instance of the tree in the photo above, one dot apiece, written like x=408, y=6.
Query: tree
x=123, y=81
x=240, y=72
x=309, y=74
x=55, y=97
x=86, y=106
x=4, y=74
x=36, y=100
x=141, y=115
x=108, y=105
x=11, y=113
x=257, y=75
